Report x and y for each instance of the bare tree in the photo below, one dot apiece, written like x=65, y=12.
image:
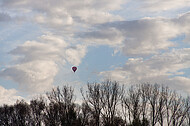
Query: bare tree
x=144, y=88
x=131, y=101
x=111, y=97
x=153, y=97
x=92, y=99
x=141, y=105
x=6, y=116
x=61, y=108
x=21, y=116
x=176, y=109
x=37, y=111
x=85, y=115
x=161, y=109
x=188, y=111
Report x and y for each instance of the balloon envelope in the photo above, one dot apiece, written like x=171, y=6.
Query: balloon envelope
x=74, y=68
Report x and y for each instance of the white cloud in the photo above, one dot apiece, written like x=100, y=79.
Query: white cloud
x=183, y=23
x=48, y=48
x=32, y=77
x=63, y=13
x=163, y=5
x=141, y=37
x=166, y=68
x=148, y=36
x=8, y=96
x=75, y=54
x=37, y=62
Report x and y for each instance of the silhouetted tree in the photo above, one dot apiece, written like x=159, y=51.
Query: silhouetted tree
x=6, y=115
x=92, y=99
x=161, y=109
x=61, y=109
x=131, y=101
x=37, y=111
x=144, y=102
x=153, y=97
x=141, y=105
x=118, y=121
x=21, y=114
x=85, y=115
x=111, y=97
x=177, y=109
x=138, y=122
x=187, y=105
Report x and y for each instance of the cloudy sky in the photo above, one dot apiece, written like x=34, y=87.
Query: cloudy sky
x=130, y=41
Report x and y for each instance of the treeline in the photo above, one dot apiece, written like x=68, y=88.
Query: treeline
x=104, y=104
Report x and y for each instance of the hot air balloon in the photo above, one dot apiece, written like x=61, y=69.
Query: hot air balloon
x=74, y=68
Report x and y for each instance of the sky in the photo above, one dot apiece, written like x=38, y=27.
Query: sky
x=129, y=41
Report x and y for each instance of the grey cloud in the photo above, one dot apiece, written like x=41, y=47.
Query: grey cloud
x=146, y=36
x=4, y=17
x=108, y=36
x=183, y=23
x=32, y=50
x=163, y=5
x=141, y=37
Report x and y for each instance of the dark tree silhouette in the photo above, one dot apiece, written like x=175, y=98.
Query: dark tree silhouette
x=37, y=111
x=21, y=114
x=104, y=104
x=6, y=115
x=92, y=99
x=111, y=98
x=131, y=101
x=85, y=115
x=144, y=102
x=61, y=110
